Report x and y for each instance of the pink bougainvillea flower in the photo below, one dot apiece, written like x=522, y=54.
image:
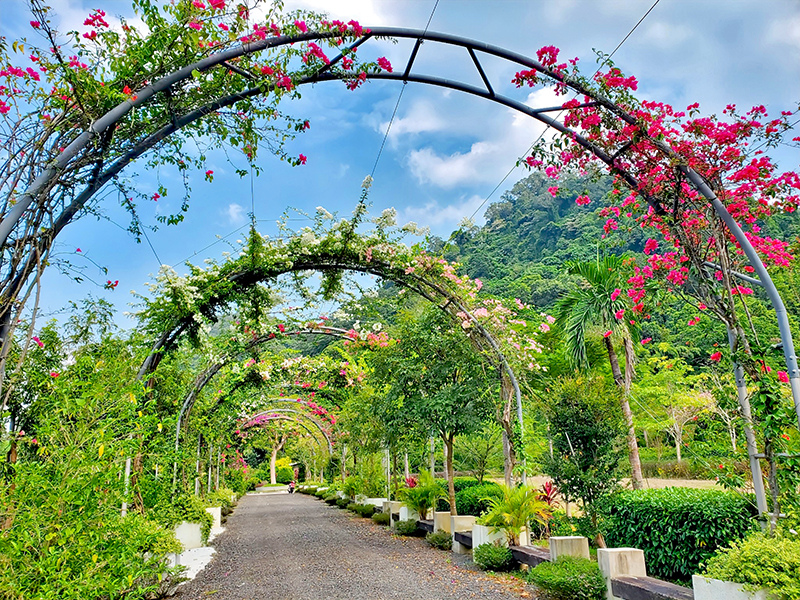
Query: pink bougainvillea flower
x=53, y=374
x=783, y=376
x=615, y=294
x=582, y=200
x=281, y=328
x=302, y=159
x=553, y=190
x=607, y=334
x=301, y=25
x=619, y=313
x=39, y=343
x=195, y=25
x=78, y=250
x=198, y=4
x=478, y=284
x=646, y=341
x=217, y=4
x=36, y=24
x=223, y=26
x=384, y=64
x=716, y=357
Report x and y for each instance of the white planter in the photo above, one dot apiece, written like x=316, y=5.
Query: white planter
x=190, y=535
x=713, y=589
x=483, y=534
x=216, y=514
x=376, y=502
x=406, y=514
x=569, y=545
x=441, y=520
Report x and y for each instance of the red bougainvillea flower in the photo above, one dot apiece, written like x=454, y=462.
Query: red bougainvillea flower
x=783, y=376
x=156, y=196
x=302, y=159
x=646, y=341
x=39, y=343
x=281, y=328
x=195, y=25
x=607, y=334
x=384, y=64
x=78, y=250
x=53, y=374
x=619, y=313
x=36, y=24
x=716, y=357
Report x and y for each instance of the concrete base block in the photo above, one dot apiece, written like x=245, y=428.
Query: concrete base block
x=616, y=562
x=394, y=507
x=216, y=514
x=190, y=535
x=525, y=537
x=406, y=514
x=713, y=589
x=376, y=502
x=483, y=534
x=341, y=494
x=460, y=548
x=441, y=520
x=461, y=523
x=569, y=545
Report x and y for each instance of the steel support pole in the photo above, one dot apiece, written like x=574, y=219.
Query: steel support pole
x=787, y=342
x=749, y=434
x=127, y=486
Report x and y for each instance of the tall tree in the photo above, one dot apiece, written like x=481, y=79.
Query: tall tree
x=598, y=306
x=435, y=382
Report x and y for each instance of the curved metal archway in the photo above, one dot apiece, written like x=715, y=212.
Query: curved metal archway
x=472, y=48
x=300, y=414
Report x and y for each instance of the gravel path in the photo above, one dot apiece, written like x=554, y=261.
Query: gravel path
x=294, y=547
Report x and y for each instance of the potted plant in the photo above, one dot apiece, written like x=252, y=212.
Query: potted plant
x=756, y=568
x=514, y=510
x=423, y=496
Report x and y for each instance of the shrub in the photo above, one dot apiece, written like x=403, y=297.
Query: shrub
x=760, y=562
x=284, y=473
x=352, y=507
x=223, y=497
x=514, y=510
x=678, y=528
x=407, y=527
x=459, y=485
x=423, y=496
x=309, y=490
x=186, y=508
x=331, y=499
x=381, y=518
x=366, y=510
x=320, y=493
x=569, y=578
x=475, y=500
x=493, y=557
x=440, y=539
x=342, y=502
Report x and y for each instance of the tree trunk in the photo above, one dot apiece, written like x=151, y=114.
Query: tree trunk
x=624, y=383
x=433, y=456
x=274, y=457
x=406, y=472
x=451, y=489
x=678, y=447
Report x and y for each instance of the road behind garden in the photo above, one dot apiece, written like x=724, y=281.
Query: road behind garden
x=294, y=547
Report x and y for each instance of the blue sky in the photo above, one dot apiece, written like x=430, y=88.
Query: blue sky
x=446, y=152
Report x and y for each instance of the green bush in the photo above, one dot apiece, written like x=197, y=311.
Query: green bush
x=284, y=472
x=381, y=518
x=569, y=578
x=331, y=499
x=440, y=539
x=224, y=498
x=407, y=527
x=352, y=507
x=342, y=502
x=474, y=500
x=678, y=528
x=186, y=508
x=365, y=510
x=321, y=493
x=760, y=562
x=459, y=485
x=492, y=557
x=309, y=490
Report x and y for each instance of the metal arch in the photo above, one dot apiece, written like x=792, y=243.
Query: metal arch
x=300, y=414
x=206, y=376
x=110, y=118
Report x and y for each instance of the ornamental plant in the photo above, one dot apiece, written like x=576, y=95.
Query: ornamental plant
x=514, y=512
x=423, y=496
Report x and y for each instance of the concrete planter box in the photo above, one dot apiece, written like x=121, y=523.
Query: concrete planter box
x=713, y=589
x=569, y=545
x=190, y=535
x=461, y=523
x=216, y=514
x=441, y=520
x=376, y=502
x=406, y=514
x=483, y=534
x=341, y=494
x=394, y=507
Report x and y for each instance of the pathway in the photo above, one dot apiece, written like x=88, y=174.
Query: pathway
x=294, y=547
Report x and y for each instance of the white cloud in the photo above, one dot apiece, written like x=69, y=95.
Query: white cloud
x=236, y=214
x=666, y=35
x=786, y=31
x=421, y=117
x=432, y=214
x=366, y=12
x=487, y=160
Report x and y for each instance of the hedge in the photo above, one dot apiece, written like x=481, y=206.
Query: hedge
x=678, y=528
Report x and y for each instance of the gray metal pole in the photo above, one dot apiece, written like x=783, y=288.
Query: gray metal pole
x=789, y=353
x=127, y=486
x=749, y=434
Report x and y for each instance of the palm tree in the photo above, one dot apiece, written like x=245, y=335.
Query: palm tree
x=599, y=305
x=513, y=512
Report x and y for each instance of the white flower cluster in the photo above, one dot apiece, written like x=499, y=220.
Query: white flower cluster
x=414, y=229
